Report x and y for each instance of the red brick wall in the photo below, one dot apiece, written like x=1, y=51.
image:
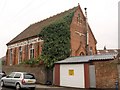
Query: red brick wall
x=92, y=42
x=38, y=71
x=25, y=53
x=38, y=49
x=78, y=43
x=106, y=74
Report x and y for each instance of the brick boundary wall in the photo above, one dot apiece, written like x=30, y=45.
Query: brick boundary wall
x=118, y=67
x=38, y=71
x=106, y=73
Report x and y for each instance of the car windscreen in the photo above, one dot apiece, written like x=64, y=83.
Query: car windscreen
x=29, y=76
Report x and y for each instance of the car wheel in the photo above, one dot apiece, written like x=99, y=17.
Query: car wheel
x=18, y=87
x=32, y=88
x=2, y=83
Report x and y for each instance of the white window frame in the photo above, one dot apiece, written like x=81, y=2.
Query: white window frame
x=11, y=57
x=20, y=55
x=31, y=52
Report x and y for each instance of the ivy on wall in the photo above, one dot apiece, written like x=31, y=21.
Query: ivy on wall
x=56, y=38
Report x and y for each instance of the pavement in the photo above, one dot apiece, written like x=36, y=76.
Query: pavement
x=42, y=87
x=46, y=86
x=51, y=87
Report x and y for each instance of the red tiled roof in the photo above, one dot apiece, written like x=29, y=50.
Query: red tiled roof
x=34, y=29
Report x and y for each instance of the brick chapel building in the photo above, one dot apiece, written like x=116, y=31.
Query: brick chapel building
x=28, y=43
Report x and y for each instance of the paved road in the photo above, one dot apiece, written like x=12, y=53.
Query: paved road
x=42, y=87
x=10, y=88
x=53, y=88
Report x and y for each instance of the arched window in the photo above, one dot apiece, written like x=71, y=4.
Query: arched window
x=82, y=54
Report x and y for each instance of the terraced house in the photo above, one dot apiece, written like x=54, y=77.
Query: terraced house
x=30, y=43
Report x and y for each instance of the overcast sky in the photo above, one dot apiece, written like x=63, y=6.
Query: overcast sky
x=17, y=15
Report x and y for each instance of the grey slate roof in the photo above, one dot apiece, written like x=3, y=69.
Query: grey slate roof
x=107, y=51
x=84, y=59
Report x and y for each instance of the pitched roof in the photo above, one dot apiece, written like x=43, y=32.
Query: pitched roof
x=84, y=59
x=34, y=29
x=107, y=51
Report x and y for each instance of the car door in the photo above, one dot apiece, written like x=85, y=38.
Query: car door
x=8, y=79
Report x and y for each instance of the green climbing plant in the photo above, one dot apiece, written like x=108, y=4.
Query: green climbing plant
x=56, y=38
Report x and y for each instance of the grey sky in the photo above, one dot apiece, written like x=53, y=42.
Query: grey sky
x=16, y=15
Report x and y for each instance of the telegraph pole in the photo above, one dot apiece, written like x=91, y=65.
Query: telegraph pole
x=87, y=34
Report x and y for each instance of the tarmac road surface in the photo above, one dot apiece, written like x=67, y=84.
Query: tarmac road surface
x=10, y=88
x=43, y=87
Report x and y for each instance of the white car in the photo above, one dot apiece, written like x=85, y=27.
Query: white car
x=19, y=80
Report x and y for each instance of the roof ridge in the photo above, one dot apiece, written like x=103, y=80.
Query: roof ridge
x=53, y=15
